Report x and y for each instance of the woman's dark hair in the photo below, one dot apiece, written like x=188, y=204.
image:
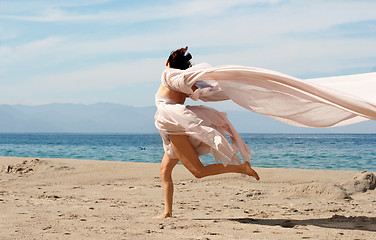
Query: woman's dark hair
x=180, y=59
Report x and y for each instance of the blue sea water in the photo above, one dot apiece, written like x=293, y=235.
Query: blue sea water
x=304, y=151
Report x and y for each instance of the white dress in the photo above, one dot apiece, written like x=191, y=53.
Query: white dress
x=290, y=100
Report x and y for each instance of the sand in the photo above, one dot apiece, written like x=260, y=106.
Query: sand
x=86, y=199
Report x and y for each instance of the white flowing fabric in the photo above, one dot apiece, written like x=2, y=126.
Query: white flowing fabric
x=307, y=103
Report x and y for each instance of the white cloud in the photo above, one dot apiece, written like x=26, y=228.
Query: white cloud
x=55, y=15
x=90, y=85
x=31, y=6
x=296, y=16
x=6, y=34
x=35, y=54
x=52, y=12
x=302, y=58
x=99, y=77
x=272, y=35
x=286, y=58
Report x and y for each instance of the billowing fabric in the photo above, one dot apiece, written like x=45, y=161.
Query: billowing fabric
x=321, y=102
x=206, y=127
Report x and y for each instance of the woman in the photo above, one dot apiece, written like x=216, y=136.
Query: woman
x=178, y=139
x=190, y=131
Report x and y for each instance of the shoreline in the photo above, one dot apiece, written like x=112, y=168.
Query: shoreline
x=3, y=158
x=95, y=199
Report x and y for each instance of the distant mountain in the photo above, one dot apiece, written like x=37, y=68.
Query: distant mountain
x=117, y=118
x=93, y=118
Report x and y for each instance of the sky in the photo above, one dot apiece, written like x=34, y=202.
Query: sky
x=89, y=51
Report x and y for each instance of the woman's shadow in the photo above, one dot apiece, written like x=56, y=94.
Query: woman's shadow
x=336, y=221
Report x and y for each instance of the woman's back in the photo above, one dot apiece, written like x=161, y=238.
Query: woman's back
x=177, y=97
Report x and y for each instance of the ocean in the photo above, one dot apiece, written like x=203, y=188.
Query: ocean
x=303, y=151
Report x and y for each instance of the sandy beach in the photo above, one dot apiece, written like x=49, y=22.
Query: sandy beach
x=87, y=199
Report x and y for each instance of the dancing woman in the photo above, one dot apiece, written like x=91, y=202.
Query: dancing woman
x=190, y=131
x=179, y=124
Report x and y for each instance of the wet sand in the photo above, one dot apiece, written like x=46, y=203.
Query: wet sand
x=87, y=199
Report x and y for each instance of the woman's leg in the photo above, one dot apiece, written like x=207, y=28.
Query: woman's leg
x=168, y=188
x=189, y=158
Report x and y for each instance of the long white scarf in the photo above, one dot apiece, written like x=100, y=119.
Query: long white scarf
x=320, y=102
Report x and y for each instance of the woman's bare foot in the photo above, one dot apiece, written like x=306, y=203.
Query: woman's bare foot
x=163, y=216
x=249, y=171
